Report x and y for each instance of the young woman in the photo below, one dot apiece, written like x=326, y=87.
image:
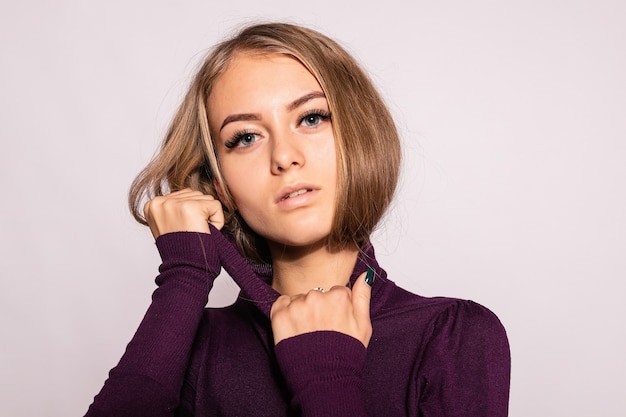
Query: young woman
x=278, y=165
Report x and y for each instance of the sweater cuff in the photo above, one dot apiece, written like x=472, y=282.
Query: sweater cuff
x=324, y=371
x=190, y=258
x=188, y=248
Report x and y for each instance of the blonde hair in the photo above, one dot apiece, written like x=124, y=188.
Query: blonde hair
x=366, y=138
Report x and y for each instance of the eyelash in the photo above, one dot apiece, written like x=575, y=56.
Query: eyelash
x=323, y=115
x=239, y=135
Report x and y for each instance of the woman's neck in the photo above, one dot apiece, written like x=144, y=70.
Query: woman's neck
x=297, y=270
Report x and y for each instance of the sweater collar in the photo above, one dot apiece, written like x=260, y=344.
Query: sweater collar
x=255, y=279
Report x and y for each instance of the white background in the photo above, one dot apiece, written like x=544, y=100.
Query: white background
x=513, y=121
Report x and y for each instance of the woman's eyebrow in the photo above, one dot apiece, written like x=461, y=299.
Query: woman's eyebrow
x=239, y=117
x=300, y=101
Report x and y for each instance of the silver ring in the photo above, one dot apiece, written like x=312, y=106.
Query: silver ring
x=320, y=289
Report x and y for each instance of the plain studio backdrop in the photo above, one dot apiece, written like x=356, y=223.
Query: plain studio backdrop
x=513, y=121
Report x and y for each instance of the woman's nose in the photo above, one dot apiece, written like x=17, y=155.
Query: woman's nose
x=286, y=152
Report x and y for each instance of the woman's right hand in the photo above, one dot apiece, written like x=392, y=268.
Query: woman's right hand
x=183, y=211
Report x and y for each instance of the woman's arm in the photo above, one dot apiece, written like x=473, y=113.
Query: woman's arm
x=149, y=376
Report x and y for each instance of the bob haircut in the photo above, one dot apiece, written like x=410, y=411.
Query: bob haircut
x=366, y=138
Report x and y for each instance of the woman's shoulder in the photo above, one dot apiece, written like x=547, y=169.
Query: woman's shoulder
x=439, y=314
x=456, y=350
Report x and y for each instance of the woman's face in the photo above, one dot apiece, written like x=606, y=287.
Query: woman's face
x=272, y=129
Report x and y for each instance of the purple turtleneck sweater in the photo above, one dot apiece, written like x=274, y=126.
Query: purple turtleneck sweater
x=427, y=356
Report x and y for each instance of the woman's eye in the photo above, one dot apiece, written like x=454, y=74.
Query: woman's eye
x=242, y=139
x=314, y=118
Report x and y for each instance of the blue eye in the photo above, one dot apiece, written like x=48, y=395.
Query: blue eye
x=242, y=139
x=314, y=118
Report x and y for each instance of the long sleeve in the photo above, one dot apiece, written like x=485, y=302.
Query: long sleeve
x=148, y=379
x=324, y=372
x=466, y=368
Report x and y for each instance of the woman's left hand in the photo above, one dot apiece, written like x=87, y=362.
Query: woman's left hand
x=338, y=309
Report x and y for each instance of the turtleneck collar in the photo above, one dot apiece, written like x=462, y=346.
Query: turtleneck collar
x=255, y=279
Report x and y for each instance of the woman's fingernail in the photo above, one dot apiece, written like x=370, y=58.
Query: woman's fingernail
x=369, y=277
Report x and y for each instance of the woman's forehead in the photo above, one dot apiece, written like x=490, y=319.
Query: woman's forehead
x=254, y=82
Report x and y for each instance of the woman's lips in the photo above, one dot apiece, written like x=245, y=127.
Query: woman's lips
x=296, y=195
